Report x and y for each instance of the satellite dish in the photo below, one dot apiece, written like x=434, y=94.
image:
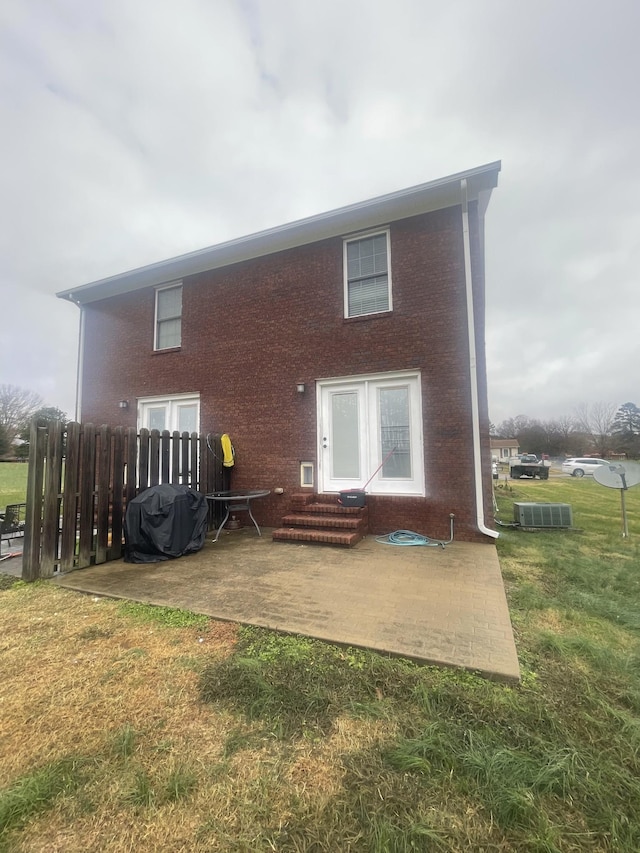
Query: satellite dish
x=622, y=476
x=618, y=475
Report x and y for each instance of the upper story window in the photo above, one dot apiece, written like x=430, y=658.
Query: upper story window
x=367, y=275
x=168, y=317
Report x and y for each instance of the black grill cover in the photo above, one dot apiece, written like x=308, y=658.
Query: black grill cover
x=164, y=522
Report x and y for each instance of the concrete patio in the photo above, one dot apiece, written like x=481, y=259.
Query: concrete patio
x=440, y=606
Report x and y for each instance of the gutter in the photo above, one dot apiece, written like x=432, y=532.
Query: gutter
x=473, y=369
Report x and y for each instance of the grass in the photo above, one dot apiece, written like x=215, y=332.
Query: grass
x=34, y=793
x=13, y=483
x=133, y=727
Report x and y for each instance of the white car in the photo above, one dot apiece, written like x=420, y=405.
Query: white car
x=580, y=467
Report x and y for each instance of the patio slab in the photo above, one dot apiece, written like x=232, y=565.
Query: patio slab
x=440, y=606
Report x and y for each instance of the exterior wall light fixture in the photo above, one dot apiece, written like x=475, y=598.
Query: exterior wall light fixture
x=300, y=387
x=123, y=404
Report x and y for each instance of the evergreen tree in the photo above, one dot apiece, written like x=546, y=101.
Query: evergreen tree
x=626, y=429
x=5, y=444
x=50, y=413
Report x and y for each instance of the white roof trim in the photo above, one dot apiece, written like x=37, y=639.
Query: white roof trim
x=435, y=195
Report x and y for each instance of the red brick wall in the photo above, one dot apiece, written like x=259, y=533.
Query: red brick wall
x=251, y=331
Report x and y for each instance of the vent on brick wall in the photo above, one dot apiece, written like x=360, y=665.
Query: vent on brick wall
x=542, y=515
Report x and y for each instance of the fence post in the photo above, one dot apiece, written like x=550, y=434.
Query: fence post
x=87, y=486
x=143, y=467
x=102, y=494
x=70, y=498
x=175, y=459
x=117, y=494
x=154, y=457
x=196, y=462
x=33, y=516
x=184, y=459
x=51, y=506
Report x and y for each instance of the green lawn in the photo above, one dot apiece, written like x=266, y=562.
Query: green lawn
x=174, y=732
x=13, y=483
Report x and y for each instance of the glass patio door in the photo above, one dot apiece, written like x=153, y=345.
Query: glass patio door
x=370, y=423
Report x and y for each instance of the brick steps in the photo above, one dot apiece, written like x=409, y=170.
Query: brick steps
x=326, y=536
x=322, y=521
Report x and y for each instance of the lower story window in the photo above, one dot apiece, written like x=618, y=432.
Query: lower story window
x=372, y=426
x=179, y=413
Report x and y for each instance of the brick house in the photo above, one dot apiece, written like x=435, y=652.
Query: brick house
x=319, y=346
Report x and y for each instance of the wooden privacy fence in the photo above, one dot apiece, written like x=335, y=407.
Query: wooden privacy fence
x=81, y=478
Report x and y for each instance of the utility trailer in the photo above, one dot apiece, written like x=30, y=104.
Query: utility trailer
x=528, y=465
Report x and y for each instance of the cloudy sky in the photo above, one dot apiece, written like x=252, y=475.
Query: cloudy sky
x=136, y=130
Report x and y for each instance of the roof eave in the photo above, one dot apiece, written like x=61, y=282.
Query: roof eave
x=424, y=198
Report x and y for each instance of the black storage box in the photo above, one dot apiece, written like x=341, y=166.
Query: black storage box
x=352, y=497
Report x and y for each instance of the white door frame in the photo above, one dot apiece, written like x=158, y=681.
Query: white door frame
x=369, y=451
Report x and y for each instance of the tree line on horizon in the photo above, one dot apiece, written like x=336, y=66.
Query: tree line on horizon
x=18, y=406
x=595, y=428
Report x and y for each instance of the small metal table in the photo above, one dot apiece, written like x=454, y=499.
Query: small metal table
x=237, y=501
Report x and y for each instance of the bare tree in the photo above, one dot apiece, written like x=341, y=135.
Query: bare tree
x=512, y=427
x=17, y=405
x=565, y=425
x=596, y=420
x=563, y=436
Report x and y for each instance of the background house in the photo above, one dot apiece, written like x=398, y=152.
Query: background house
x=319, y=346
x=503, y=448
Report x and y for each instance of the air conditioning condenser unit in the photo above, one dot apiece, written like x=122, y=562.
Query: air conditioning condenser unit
x=542, y=515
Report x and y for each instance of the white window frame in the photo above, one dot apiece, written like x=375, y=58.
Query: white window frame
x=355, y=238
x=172, y=403
x=371, y=453
x=175, y=285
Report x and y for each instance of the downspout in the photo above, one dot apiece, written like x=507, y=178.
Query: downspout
x=80, y=360
x=80, y=366
x=473, y=368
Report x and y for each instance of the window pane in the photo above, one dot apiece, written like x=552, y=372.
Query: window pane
x=367, y=257
x=169, y=334
x=187, y=418
x=157, y=417
x=368, y=296
x=395, y=432
x=169, y=303
x=345, y=441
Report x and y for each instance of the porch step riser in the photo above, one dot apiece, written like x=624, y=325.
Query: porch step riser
x=317, y=537
x=334, y=509
x=308, y=520
x=327, y=508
